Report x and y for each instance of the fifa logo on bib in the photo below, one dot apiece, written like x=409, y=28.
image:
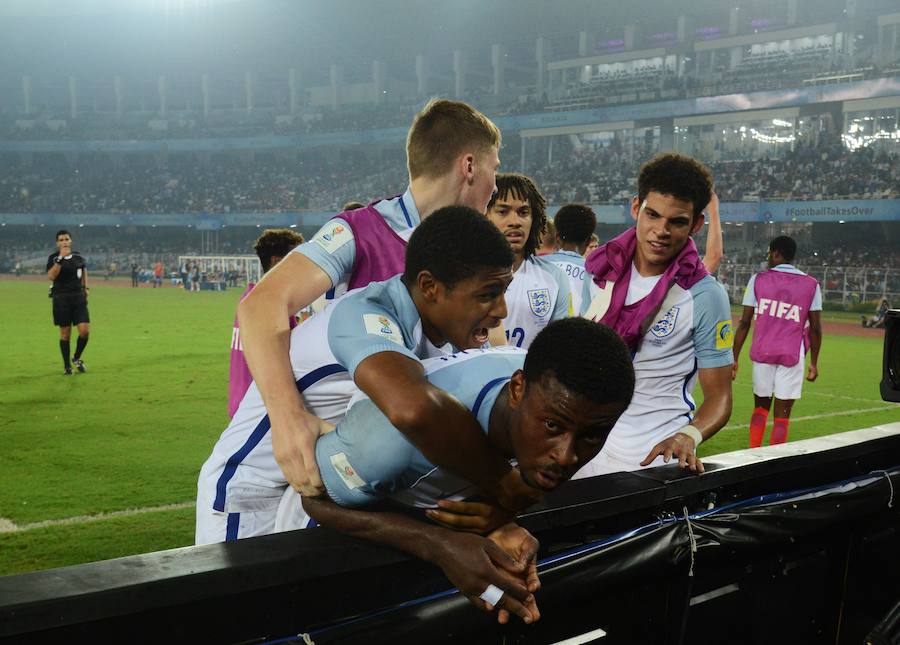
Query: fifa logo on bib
x=539, y=301
x=778, y=309
x=666, y=325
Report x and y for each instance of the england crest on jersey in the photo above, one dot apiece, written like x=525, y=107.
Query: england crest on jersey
x=539, y=301
x=665, y=325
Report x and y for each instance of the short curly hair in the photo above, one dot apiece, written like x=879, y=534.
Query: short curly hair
x=786, y=247
x=680, y=176
x=587, y=358
x=276, y=242
x=454, y=243
x=525, y=189
x=575, y=223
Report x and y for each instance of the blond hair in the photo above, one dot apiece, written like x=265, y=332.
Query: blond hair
x=442, y=131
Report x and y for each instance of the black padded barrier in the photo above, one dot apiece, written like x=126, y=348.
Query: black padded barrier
x=798, y=543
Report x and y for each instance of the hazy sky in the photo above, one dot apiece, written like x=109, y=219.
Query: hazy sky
x=99, y=38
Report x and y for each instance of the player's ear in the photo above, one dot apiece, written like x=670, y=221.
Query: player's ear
x=466, y=165
x=427, y=285
x=635, y=207
x=699, y=220
x=516, y=389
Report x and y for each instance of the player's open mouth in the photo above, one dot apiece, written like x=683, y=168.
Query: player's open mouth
x=658, y=247
x=546, y=480
x=515, y=236
x=480, y=335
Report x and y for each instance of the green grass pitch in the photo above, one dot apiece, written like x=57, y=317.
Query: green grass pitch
x=81, y=453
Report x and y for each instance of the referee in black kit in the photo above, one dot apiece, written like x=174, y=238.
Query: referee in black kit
x=66, y=269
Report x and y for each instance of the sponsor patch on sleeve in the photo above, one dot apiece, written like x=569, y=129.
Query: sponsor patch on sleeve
x=333, y=236
x=724, y=335
x=381, y=325
x=345, y=471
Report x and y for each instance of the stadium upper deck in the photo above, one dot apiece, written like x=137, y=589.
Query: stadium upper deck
x=676, y=64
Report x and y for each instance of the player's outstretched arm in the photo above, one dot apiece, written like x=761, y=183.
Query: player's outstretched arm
x=475, y=516
x=289, y=286
x=441, y=427
x=470, y=562
x=740, y=335
x=815, y=344
x=715, y=247
x=711, y=416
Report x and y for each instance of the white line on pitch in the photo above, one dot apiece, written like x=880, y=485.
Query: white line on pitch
x=842, y=413
x=7, y=526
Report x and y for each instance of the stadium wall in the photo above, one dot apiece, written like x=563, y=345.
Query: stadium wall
x=861, y=210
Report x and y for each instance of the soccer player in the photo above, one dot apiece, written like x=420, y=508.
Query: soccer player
x=67, y=271
x=592, y=245
x=271, y=247
x=452, y=159
x=782, y=300
x=539, y=291
x=457, y=269
x=549, y=243
x=650, y=285
x=574, y=224
x=550, y=409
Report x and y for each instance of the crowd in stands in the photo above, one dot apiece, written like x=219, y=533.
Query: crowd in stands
x=828, y=171
x=279, y=183
x=824, y=171
x=224, y=185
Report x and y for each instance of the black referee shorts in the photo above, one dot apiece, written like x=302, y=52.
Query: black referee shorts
x=70, y=309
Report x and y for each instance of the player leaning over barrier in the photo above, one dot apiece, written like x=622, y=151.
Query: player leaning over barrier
x=650, y=285
x=457, y=270
x=452, y=159
x=550, y=409
x=781, y=300
x=539, y=291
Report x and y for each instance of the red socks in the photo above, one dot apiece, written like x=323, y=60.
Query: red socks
x=758, y=426
x=779, y=431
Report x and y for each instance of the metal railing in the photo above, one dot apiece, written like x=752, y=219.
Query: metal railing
x=846, y=285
